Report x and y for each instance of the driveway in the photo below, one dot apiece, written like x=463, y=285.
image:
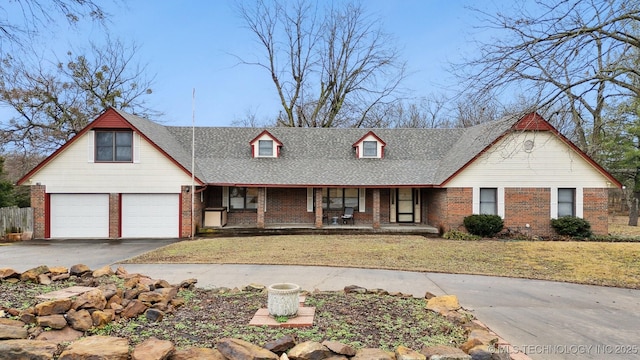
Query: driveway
x=25, y=255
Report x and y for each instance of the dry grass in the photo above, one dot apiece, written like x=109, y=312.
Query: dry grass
x=599, y=263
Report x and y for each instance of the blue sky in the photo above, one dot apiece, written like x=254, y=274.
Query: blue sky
x=190, y=45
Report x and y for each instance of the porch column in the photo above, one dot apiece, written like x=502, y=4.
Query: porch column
x=376, y=208
x=318, y=208
x=260, y=212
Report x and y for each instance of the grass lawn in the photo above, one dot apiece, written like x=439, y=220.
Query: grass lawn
x=599, y=263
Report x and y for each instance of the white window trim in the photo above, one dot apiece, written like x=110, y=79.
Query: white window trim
x=476, y=199
x=579, y=201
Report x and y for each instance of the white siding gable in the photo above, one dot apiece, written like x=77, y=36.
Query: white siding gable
x=550, y=164
x=70, y=172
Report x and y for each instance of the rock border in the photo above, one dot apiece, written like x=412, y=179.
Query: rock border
x=71, y=314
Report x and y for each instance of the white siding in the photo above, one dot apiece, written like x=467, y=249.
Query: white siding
x=70, y=172
x=551, y=164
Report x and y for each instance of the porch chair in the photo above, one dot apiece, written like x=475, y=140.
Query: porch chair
x=348, y=215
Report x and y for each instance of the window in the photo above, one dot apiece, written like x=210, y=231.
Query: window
x=265, y=148
x=566, y=202
x=114, y=146
x=370, y=148
x=489, y=201
x=338, y=199
x=243, y=198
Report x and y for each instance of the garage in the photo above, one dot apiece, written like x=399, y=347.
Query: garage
x=79, y=216
x=150, y=215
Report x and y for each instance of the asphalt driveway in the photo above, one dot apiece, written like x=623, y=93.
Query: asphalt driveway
x=22, y=256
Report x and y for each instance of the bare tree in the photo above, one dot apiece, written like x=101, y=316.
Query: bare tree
x=53, y=103
x=330, y=66
x=38, y=14
x=568, y=52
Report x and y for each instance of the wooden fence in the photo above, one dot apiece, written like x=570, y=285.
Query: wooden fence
x=13, y=218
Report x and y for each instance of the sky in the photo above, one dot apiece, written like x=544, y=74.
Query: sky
x=194, y=45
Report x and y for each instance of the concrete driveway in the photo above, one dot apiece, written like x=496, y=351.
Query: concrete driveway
x=25, y=255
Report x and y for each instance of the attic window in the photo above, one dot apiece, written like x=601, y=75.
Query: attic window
x=370, y=148
x=265, y=148
x=114, y=146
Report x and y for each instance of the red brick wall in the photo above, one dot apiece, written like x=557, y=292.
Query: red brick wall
x=436, y=212
x=38, y=203
x=459, y=205
x=114, y=215
x=528, y=206
x=595, y=208
x=287, y=206
x=185, y=211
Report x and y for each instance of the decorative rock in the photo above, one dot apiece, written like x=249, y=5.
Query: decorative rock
x=80, y=320
x=79, y=269
x=133, y=309
x=153, y=349
x=150, y=297
x=97, y=347
x=254, y=288
x=6, y=273
x=103, y=271
x=66, y=334
x=470, y=344
x=101, y=318
x=404, y=353
x=121, y=271
x=188, y=284
x=354, y=289
x=443, y=352
x=92, y=299
x=32, y=274
x=373, y=354
x=59, y=306
x=27, y=318
x=339, y=348
x=281, y=345
x=309, y=350
x=242, y=350
x=11, y=322
x=154, y=315
x=159, y=284
x=198, y=353
x=52, y=321
x=12, y=332
x=44, y=279
x=27, y=349
x=443, y=304
x=480, y=352
x=428, y=295
x=58, y=270
x=484, y=336
x=60, y=277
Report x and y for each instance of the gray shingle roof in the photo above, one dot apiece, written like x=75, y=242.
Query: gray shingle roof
x=320, y=156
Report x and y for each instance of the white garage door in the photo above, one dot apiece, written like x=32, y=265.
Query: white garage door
x=79, y=215
x=150, y=215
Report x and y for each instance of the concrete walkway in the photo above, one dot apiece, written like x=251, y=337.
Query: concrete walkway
x=546, y=320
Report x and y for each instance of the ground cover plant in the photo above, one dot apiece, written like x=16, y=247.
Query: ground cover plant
x=361, y=320
x=584, y=262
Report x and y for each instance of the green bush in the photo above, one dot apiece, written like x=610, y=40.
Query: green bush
x=483, y=225
x=572, y=226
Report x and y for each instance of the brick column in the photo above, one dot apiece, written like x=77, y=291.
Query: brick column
x=596, y=209
x=318, y=206
x=260, y=212
x=38, y=203
x=185, y=211
x=459, y=205
x=114, y=216
x=376, y=208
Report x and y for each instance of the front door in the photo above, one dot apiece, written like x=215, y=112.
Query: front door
x=404, y=207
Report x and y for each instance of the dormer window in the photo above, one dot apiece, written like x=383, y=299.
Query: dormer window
x=265, y=145
x=369, y=146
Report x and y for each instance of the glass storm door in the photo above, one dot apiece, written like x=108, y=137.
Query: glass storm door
x=405, y=205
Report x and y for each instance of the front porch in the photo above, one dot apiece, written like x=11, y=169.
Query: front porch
x=310, y=229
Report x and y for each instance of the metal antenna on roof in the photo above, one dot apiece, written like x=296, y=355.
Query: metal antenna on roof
x=193, y=159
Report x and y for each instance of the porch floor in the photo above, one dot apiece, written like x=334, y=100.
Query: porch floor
x=286, y=229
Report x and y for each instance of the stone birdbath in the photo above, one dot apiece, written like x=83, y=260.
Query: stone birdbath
x=283, y=299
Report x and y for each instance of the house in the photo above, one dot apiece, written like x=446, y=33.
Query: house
x=125, y=176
